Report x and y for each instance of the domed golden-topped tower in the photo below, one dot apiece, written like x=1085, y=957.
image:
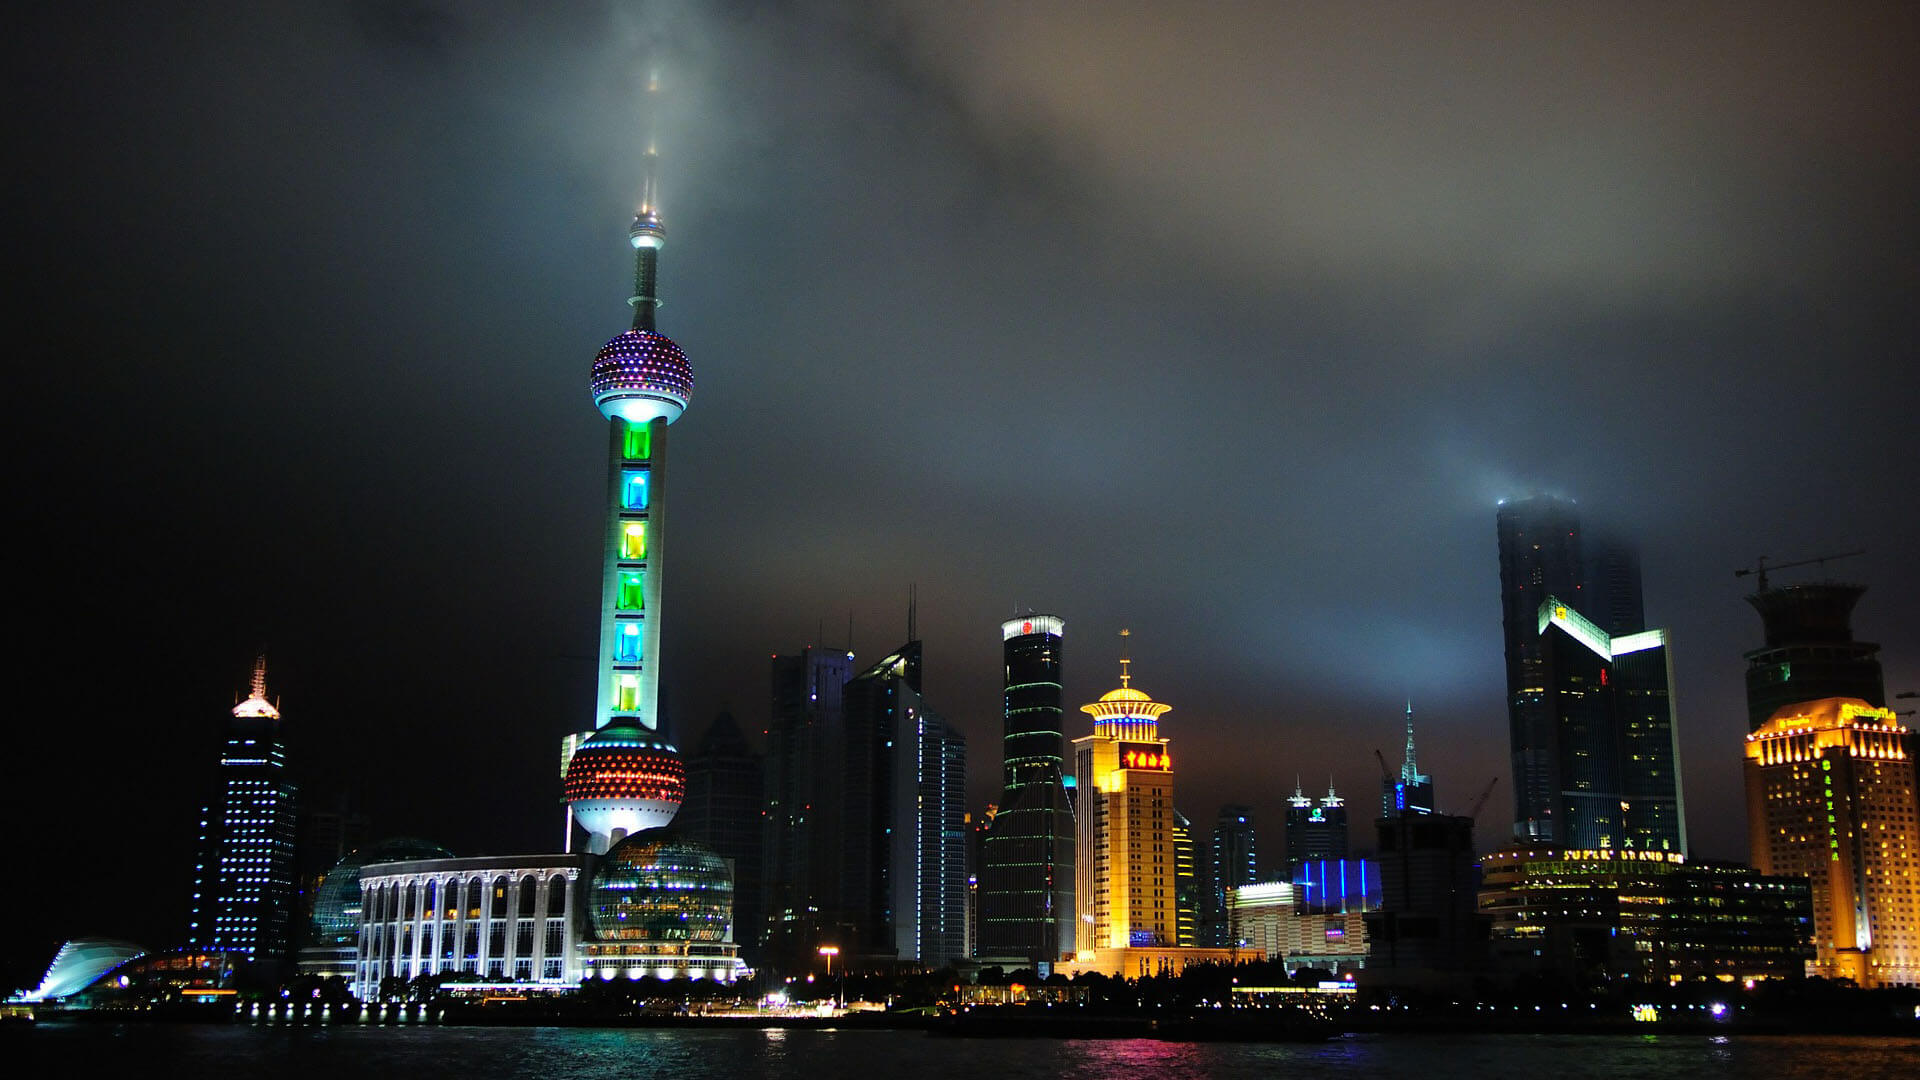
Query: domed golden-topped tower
x=1127, y=874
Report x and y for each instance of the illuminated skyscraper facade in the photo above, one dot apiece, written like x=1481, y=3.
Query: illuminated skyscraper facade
x=243, y=880
x=1315, y=830
x=623, y=777
x=1539, y=556
x=1127, y=883
x=1027, y=877
x=1831, y=795
x=1186, y=883
x=908, y=838
x=1135, y=884
x=1232, y=862
x=1614, y=746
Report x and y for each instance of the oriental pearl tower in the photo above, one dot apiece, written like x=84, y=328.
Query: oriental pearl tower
x=624, y=777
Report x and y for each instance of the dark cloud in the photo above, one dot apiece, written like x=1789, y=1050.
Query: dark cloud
x=1226, y=325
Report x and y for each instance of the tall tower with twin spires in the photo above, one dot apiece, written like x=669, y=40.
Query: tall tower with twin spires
x=623, y=776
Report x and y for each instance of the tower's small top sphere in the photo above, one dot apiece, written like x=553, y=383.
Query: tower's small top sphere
x=647, y=230
x=640, y=376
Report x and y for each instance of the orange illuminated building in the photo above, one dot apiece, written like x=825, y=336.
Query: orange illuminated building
x=1126, y=872
x=1831, y=794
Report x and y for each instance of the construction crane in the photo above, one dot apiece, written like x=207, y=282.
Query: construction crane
x=1385, y=773
x=1760, y=566
x=1480, y=803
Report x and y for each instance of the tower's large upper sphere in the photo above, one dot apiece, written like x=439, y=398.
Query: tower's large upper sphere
x=641, y=375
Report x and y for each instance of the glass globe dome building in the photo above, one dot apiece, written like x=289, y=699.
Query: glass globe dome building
x=662, y=905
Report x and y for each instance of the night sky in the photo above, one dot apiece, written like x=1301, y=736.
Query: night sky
x=1227, y=326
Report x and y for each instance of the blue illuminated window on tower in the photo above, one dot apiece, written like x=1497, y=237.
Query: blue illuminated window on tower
x=633, y=489
x=626, y=643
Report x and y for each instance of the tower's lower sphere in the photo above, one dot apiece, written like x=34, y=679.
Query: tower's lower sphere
x=660, y=887
x=622, y=781
x=641, y=376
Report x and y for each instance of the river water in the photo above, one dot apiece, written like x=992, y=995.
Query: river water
x=358, y=1052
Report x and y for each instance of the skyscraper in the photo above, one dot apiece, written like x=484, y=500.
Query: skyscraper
x=243, y=880
x=1126, y=887
x=1539, y=556
x=1027, y=880
x=1412, y=793
x=1614, y=747
x=927, y=867
x=1831, y=795
x=1315, y=830
x=801, y=841
x=1810, y=653
x=623, y=777
x=1589, y=687
x=879, y=705
x=1232, y=862
x=724, y=809
x=1186, y=882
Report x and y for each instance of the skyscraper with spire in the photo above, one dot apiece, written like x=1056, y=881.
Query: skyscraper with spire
x=243, y=878
x=624, y=776
x=1412, y=793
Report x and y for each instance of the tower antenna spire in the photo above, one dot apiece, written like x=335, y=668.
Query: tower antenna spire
x=1126, y=663
x=913, y=613
x=647, y=233
x=1408, y=769
x=260, y=677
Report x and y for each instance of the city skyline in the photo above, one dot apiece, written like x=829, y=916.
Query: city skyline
x=354, y=271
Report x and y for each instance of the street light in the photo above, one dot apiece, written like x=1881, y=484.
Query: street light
x=831, y=951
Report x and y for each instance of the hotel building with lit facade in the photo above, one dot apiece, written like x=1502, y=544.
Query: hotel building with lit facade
x=1831, y=795
x=1126, y=881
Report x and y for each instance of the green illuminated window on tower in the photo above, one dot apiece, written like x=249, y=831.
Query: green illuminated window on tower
x=639, y=443
x=630, y=597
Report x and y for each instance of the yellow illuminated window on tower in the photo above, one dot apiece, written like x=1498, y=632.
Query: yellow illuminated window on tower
x=633, y=540
x=626, y=693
